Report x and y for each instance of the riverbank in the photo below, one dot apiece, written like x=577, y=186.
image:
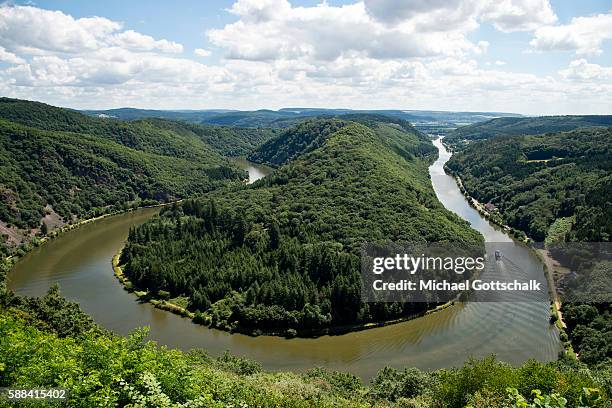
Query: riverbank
x=488, y=215
x=8, y=262
x=551, y=264
x=146, y=296
x=203, y=319
x=545, y=257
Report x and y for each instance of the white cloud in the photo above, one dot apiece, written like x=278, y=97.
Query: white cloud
x=201, y=52
x=426, y=14
x=584, y=35
x=278, y=55
x=506, y=15
x=273, y=30
x=518, y=15
x=482, y=47
x=53, y=49
x=132, y=40
x=584, y=71
x=9, y=57
x=260, y=10
x=31, y=30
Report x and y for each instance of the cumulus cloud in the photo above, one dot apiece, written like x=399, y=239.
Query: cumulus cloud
x=518, y=15
x=130, y=39
x=260, y=10
x=273, y=29
x=366, y=54
x=201, y=52
x=52, y=49
x=505, y=15
x=9, y=57
x=584, y=35
x=584, y=71
x=32, y=30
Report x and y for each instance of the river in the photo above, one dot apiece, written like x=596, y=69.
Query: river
x=80, y=261
x=255, y=170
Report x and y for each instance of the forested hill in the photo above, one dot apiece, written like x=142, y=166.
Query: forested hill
x=58, y=165
x=282, y=254
x=511, y=126
x=537, y=180
x=177, y=139
x=228, y=141
x=296, y=141
x=312, y=134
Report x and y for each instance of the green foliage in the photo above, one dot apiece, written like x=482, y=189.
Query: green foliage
x=228, y=141
x=512, y=126
x=536, y=180
x=51, y=313
x=312, y=134
x=100, y=369
x=103, y=370
x=344, y=384
x=142, y=136
x=590, y=331
x=559, y=230
x=391, y=384
x=54, y=159
x=516, y=400
x=296, y=141
x=284, y=252
x=238, y=365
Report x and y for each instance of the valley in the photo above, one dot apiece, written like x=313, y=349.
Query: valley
x=357, y=165
x=429, y=342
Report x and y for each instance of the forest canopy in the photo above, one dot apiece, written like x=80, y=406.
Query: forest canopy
x=282, y=255
x=61, y=165
x=521, y=126
x=538, y=179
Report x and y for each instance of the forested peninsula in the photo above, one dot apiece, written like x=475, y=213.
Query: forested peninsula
x=282, y=255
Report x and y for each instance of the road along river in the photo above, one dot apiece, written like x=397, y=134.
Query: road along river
x=80, y=261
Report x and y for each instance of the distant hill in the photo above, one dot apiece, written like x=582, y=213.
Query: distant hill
x=428, y=121
x=514, y=126
x=228, y=141
x=144, y=136
x=58, y=165
x=154, y=134
x=195, y=116
x=284, y=117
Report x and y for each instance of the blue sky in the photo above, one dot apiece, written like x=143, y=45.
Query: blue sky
x=526, y=56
